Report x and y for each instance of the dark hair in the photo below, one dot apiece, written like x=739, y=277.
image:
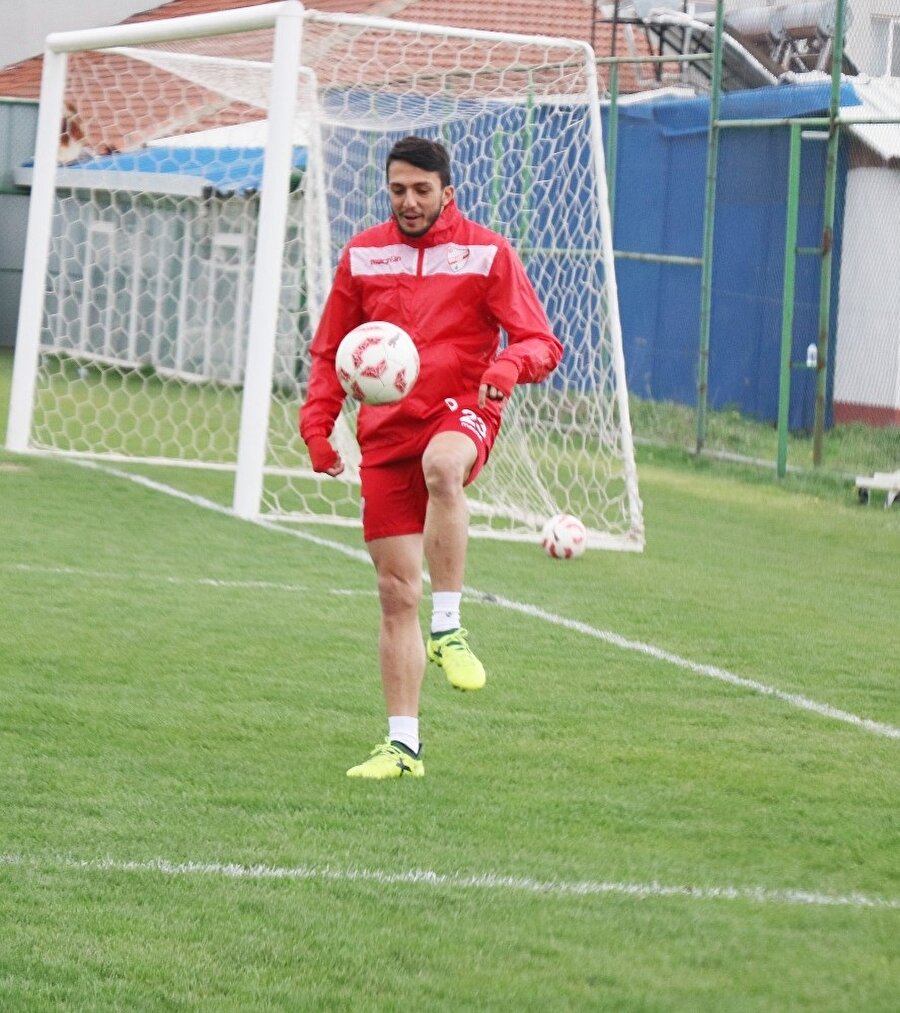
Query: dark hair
x=431, y=156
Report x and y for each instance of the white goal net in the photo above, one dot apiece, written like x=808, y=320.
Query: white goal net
x=184, y=234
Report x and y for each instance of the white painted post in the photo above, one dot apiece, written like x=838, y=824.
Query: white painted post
x=636, y=533
x=270, y=239
x=37, y=252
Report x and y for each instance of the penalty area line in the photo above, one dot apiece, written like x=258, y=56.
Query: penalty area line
x=535, y=612
x=454, y=881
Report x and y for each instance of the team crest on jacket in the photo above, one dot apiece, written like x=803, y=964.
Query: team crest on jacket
x=457, y=256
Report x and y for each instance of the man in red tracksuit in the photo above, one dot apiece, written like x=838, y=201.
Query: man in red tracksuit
x=451, y=284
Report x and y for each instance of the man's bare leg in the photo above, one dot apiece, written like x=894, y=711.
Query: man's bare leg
x=447, y=461
x=401, y=653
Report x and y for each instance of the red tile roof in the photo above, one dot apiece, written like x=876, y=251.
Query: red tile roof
x=155, y=97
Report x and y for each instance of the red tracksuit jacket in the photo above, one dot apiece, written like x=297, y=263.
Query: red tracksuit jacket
x=451, y=290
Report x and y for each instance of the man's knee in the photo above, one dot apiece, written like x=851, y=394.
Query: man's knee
x=446, y=463
x=398, y=594
x=444, y=477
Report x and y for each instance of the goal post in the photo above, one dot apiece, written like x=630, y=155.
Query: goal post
x=181, y=246
x=37, y=243
x=248, y=486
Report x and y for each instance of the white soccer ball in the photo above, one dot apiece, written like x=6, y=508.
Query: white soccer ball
x=377, y=363
x=564, y=537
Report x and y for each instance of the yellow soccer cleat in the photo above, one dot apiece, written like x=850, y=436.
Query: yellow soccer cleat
x=452, y=652
x=389, y=759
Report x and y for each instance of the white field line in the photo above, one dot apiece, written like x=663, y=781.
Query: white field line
x=455, y=881
x=213, y=582
x=532, y=611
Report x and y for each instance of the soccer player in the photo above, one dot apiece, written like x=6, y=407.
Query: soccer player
x=451, y=284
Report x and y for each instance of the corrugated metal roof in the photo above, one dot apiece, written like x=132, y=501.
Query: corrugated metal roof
x=880, y=97
x=176, y=169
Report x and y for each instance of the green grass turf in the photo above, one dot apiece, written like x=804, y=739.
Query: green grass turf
x=847, y=449
x=179, y=685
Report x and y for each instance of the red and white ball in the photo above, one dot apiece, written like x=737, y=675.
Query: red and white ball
x=564, y=537
x=377, y=363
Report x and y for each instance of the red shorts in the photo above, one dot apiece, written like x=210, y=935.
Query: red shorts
x=394, y=496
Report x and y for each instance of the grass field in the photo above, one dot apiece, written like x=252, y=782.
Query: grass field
x=847, y=450
x=679, y=790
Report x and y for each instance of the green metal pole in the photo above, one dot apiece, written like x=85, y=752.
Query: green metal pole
x=787, y=305
x=831, y=159
x=712, y=159
x=612, y=137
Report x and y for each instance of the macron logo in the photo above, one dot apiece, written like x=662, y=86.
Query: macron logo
x=371, y=261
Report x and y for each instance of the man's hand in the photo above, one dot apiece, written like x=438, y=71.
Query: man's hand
x=497, y=381
x=325, y=459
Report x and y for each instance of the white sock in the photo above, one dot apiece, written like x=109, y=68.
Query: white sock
x=405, y=730
x=445, y=610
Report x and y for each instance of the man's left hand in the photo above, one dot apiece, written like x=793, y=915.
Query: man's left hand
x=497, y=381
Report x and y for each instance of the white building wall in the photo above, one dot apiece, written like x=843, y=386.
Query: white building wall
x=867, y=354
x=876, y=36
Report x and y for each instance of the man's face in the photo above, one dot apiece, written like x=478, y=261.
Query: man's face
x=417, y=197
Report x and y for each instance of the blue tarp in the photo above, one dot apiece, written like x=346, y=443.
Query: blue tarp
x=691, y=116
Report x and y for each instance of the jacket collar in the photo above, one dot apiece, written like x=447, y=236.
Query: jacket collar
x=440, y=232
